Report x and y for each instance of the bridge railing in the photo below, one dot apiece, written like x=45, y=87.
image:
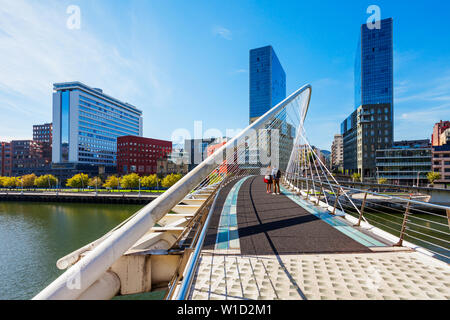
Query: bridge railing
x=412, y=222
x=94, y=261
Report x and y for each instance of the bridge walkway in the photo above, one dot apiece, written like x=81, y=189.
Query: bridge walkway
x=264, y=246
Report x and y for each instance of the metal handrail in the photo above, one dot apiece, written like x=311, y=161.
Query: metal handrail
x=193, y=261
x=436, y=206
x=96, y=262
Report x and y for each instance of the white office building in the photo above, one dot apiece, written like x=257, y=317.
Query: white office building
x=87, y=122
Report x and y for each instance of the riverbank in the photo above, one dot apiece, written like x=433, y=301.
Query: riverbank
x=79, y=197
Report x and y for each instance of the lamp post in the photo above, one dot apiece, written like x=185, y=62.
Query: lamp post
x=139, y=187
x=96, y=190
x=418, y=173
x=21, y=180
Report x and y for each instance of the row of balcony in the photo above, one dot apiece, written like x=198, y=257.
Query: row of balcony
x=407, y=164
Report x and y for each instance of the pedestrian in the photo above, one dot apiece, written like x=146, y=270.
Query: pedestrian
x=268, y=180
x=276, y=175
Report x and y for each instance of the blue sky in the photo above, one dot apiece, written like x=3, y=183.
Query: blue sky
x=182, y=61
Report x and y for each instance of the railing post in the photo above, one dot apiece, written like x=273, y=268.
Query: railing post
x=448, y=217
x=307, y=194
x=405, y=220
x=320, y=194
x=361, y=213
x=336, y=201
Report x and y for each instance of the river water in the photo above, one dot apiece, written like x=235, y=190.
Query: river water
x=33, y=236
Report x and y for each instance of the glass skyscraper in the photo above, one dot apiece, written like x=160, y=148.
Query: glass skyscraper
x=87, y=122
x=267, y=81
x=374, y=71
x=371, y=126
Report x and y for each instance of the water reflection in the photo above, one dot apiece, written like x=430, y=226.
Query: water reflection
x=33, y=236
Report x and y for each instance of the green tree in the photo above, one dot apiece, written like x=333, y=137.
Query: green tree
x=28, y=180
x=46, y=181
x=382, y=181
x=356, y=177
x=112, y=182
x=130, y=181
x=150, y=181
x=95, y=182
x=80, y=180
x=1, y=181
x=433, y=176
x=170, y=180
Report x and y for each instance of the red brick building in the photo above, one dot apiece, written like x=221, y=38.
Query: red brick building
x=438, y=129
x=5, y=159
x=212, y=149
x=139, y=155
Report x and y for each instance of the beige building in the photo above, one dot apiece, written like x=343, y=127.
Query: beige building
x=177, y=162
x=444, y=138
x=337, y=152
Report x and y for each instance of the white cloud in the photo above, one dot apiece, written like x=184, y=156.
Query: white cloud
x=222, y=32
x=239, y=71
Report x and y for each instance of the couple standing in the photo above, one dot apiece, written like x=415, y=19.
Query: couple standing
x=272, y=177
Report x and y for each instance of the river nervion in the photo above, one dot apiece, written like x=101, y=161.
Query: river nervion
x=33, y=236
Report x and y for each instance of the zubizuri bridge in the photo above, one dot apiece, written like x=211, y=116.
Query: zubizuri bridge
x=217, y=233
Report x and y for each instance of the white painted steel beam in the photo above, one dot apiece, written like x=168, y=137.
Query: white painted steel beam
x=96, y=262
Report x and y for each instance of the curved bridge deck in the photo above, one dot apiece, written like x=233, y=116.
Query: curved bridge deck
x=264, y=246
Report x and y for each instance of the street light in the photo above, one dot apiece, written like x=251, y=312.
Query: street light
x=418, y=173
x=139, y=187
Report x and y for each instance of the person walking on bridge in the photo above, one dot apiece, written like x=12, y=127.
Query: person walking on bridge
x=268, y=179
x=276, y=175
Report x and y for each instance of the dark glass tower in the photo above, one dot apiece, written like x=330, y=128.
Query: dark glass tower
x=267, y=81
x=374, y=67
x=371, y=126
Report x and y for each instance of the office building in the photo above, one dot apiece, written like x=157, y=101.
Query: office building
x=371, y=126
x=337, y=153
x=444, y=137
x=140, y=155
x=86, y=125
x=267, y=81
x=27, y=157
x=5, y=159
x=405, y=163
x=441, y=163
x=197, y=150
x=438, y=129
x=44, y=135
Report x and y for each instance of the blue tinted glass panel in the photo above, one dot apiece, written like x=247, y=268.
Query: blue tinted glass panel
x=65, y=118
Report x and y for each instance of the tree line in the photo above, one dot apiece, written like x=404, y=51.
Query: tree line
x=82, y=180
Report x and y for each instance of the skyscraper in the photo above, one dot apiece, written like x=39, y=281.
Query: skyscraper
x=87, y=123
x=267, y=81
x=374, y=66
x=371, y=126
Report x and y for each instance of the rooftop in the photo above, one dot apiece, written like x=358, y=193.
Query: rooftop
x=94, y=91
